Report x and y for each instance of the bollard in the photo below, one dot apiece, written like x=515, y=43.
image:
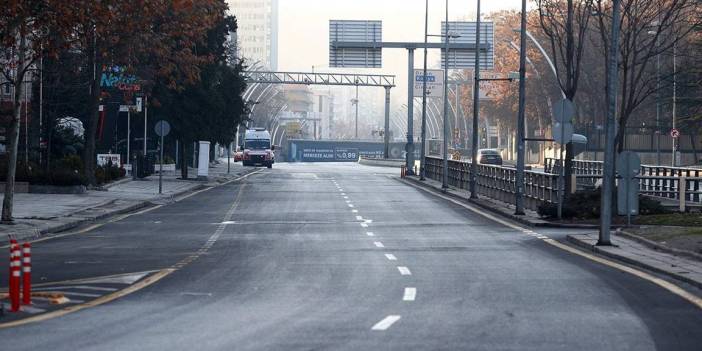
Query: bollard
x=15, y=277
x=402, y=171
x=27, y=274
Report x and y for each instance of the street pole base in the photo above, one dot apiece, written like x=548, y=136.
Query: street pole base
x=604, y=243
x=410, y=172
x=422, y=178
x=519, y=213
x=8, y=222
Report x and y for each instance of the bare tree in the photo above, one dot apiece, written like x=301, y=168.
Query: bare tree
x=648, y=29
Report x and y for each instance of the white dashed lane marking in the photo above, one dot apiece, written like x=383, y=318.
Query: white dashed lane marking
x=354, y=211
x=370, y=234
x=410, y=294
x=378, y=244
x=391, y=257
x=359, y=218
x=386, y=323
x=404, y=270
x=364, y=225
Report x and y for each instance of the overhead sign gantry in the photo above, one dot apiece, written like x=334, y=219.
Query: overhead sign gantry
x=359, y=44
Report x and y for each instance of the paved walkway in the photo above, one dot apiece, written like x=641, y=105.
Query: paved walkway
x=37, y=214
x=681, y=267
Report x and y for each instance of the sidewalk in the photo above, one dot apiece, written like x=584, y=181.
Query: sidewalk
x=39, y=214
x=680, y=266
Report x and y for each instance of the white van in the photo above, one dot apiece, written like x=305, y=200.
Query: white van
x=258, y=150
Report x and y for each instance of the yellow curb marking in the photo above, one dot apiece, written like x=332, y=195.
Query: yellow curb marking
x=134, y=287
x=697, y=301
x=99, y=301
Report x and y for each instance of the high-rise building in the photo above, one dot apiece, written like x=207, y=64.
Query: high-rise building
x=257, y=35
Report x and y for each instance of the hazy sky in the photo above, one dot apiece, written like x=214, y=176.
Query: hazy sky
x=304, y=26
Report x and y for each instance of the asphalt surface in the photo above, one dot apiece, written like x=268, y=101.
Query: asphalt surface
x=280, y=261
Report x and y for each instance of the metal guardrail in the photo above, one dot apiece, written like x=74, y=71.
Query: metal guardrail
x=497, y=182
x=659, y=181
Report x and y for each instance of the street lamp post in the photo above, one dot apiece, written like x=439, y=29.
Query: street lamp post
x=608, y=174
x=444, y=181
x=422, y=162
x=476, y=111
x=519, y=188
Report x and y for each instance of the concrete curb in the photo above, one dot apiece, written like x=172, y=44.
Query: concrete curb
x=573, y=239
x=381, y=162
x=656, y=246
x=499, y=211
x=38, y=233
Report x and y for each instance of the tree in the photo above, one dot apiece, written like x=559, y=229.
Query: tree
x=648, y=29
x=27, y=28
x=211, y=107
x=157, y=41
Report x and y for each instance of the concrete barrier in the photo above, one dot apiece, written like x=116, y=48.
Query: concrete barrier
x=379, y=162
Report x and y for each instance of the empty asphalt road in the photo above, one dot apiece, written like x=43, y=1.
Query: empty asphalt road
x=344, y=257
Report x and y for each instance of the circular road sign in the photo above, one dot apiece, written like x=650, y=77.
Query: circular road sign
x=563, y=111
x=628, y=164
x=562, y=132
x=674, y=133
x=162, y=128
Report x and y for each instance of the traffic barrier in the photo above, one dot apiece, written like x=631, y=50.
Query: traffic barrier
x=27, y=274
x=14, y=276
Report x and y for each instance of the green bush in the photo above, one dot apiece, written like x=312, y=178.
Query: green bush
x=70, y=162
x=586, y=205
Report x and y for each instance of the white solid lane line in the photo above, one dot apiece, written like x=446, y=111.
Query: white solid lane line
x=391, y=257
x=404, y=270
x=370, y=233
x=410, y=294
x=378, y=244
x=386, y=323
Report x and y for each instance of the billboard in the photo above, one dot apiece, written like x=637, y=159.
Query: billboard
x=459, y=59
x=356, y=32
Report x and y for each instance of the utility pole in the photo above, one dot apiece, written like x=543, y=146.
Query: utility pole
x=146, y=120
x=476, y=111
x=608, y=181
x=422, y=153
x=356, y=113
x=519, y=188
x=447, y=37
x=675, y=97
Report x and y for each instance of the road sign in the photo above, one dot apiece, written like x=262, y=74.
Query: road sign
x=628, y=167
x=435, y=83
x=355, y=31
x=162, y=128
x=562, y=132
x=467, y=35
x=628, y=164
x=674, y=133
x=139, y=104
x=563, y=111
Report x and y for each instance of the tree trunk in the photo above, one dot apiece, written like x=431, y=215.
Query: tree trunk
x=13, y=135
x=694, y=148
x=93, y=115
x=89, y=158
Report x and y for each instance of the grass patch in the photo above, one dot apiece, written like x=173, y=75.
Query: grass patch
x=673, y=219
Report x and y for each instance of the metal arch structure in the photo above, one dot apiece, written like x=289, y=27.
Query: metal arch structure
x=330, y=79
x=308, y=78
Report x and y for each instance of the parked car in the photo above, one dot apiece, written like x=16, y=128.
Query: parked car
x=238, y=156
x=489, y=157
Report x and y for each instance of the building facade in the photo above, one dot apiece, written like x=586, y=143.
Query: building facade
x=257, y=33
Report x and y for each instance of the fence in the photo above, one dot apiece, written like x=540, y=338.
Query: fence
x=659, y=181
x=497, y=182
